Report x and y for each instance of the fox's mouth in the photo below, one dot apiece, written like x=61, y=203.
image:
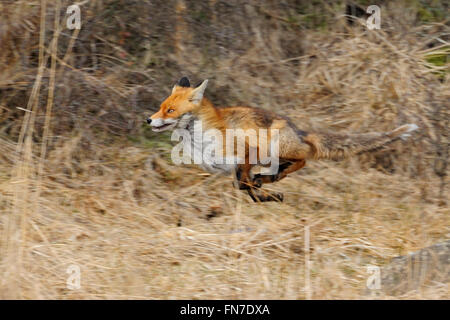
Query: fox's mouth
x=163, y=127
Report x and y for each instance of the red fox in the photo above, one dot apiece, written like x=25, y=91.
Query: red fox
x=187, y=104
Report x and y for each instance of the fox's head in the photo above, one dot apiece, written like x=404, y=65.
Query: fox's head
x=177, y=109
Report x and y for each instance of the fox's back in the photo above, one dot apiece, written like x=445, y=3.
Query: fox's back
x=244, y=117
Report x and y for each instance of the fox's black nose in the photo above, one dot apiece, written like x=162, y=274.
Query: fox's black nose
x=149, y=120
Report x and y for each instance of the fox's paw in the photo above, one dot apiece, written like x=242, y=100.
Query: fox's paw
x=277, y=196
x=260, y=196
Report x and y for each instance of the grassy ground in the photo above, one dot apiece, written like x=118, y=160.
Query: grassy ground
x=84, y=182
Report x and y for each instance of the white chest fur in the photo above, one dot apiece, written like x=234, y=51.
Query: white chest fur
x=207, y=150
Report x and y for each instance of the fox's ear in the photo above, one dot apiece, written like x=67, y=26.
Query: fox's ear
x=197, y=93
x=184, y=82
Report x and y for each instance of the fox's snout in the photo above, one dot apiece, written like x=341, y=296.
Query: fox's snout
x=161, y=124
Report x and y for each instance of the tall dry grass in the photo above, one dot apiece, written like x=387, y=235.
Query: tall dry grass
x=84, y=183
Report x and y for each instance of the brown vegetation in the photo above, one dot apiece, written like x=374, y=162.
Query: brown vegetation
x=83, y=181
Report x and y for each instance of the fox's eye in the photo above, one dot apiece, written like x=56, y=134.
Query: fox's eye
x=170, y=111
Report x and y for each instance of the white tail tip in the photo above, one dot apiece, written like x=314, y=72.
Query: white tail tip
x=409, y=128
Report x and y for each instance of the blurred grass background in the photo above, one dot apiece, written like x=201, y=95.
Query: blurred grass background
x=84, y=181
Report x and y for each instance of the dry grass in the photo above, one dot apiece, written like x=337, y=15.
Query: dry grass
x=82, y=182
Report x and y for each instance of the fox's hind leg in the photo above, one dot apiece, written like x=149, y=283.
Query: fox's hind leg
x=243, y=181
x=283, y=170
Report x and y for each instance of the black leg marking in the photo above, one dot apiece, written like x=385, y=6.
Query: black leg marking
x=259, y=196
x=242, y=185
x=258, y=178
x=238, y=174
x=284, y=166
x=252, y=195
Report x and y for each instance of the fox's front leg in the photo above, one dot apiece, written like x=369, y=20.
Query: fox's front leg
x=242, y=179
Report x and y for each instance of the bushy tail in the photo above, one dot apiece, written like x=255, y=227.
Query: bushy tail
x=337, y=146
